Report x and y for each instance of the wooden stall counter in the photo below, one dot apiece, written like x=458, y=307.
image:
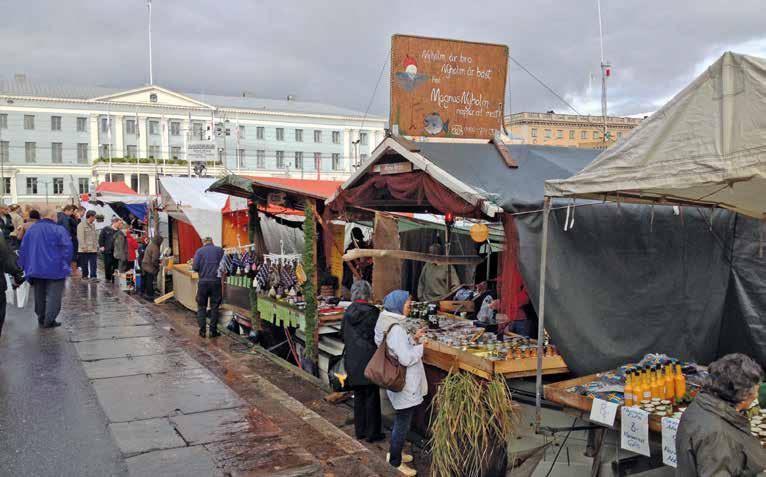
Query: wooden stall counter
x=185, y=282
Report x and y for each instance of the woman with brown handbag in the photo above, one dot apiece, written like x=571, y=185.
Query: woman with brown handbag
x=408, y=353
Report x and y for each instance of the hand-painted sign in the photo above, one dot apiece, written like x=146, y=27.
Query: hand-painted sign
x=669, y=431
x=635, y=430
x=447, y=88
x=603, y=412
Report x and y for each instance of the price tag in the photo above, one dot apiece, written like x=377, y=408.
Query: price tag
x=634, y=432
x=669, y=429
x=603, y=412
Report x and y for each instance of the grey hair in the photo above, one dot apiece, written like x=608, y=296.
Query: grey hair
x=361, y=290
x=733, y=377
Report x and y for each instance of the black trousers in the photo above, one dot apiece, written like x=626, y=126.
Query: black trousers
x=110, y=264
x=147, y=280
x=2, y=311
x=213, y=292
x=48, y=294
x=367, y=421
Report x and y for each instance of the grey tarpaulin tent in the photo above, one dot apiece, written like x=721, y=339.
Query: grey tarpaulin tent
x=704, y=148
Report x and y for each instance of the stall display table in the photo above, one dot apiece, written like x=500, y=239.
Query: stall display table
x=277, y=312
x=185, y=282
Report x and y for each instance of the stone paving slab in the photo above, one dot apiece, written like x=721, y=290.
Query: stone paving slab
x=213, y=426
x=263, y=456
x=104, y=320
x=151, y=364
x=105, y=349
x=184, y=462
x=132, y=398
x=112, y=332
x=138, y=437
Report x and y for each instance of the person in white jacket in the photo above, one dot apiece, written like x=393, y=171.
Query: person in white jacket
x=396, y=307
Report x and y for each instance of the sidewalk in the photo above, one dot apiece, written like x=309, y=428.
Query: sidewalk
x=134, y=391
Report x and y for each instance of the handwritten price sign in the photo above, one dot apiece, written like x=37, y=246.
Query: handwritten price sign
x=634, y=432
x=669, y=430
x=603, y=412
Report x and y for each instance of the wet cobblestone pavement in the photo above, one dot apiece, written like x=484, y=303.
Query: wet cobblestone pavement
x=126, y=387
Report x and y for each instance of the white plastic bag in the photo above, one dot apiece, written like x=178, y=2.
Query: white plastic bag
x=22, y=295
x=10, y=293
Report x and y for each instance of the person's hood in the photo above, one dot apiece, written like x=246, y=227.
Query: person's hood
x=722, y=409
x=359, y=312
x=387, y=318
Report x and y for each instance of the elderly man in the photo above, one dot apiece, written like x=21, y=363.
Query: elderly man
x=206, y=261
x=45, y=255
x=714, y=436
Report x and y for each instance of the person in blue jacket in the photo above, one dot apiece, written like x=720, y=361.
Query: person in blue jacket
x=45, y=256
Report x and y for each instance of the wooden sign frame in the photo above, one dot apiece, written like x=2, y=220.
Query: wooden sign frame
x=446, y=88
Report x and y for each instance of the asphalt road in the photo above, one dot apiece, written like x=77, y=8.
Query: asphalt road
x=50, y=421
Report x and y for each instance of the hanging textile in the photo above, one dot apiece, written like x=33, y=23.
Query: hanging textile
x=188, y=241
x=510, y=287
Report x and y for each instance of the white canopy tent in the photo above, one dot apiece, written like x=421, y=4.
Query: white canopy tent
x=704, y=148
x=186, y=199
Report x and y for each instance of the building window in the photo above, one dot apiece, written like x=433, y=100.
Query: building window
x=130, y=126
x=55, y=123
x=197, y=130
x=259, y=132
x=175, y=152
x=583, y=135
x=280, y=134
x=534, y=132
x=131, y=151
x=56, y=157
x=58, y=185
x=82, y=124
x=241, y=130
x=242, y=158
x=363, y=139
x=317, y=135
x=336, y=161
x=29, y=121
x=104, y=125
x=175, y=128
x=30, y=152
x=154, y=152
x=363, y=158
x=154, y=128
x=4, y=151
x=103, y=151
x=260, y=159
x=548, y=134
x=82, y=153
x=6, y=185
x=318, y=161
x=595, y=135
x=3, y=121
x=299, y=135
x=31, y=185
x=559, y=134
x=83, y=185
x=571, y=134
x=299, y=160
x=336, y=137
x=280, y=159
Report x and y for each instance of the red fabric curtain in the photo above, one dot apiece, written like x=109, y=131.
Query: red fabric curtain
x=511, y=288
x=188, y=241
x=414, y=186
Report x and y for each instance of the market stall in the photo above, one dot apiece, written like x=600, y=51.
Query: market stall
x=702, y=150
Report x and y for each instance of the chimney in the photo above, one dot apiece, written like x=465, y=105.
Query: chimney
x=20, y=77
x=290, y=97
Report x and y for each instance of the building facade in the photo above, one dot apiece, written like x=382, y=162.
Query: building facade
x=58, y=142
x=568, y=130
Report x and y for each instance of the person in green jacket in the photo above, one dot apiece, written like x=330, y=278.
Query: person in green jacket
x=714, y=437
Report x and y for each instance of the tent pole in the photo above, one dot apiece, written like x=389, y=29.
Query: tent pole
x=541, y=315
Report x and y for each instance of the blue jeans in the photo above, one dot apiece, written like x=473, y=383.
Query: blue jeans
x=522, y=327
x=88, y=263
x=402, y=422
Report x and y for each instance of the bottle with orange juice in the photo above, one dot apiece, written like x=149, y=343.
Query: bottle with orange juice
x=628, y=391
x=670, y=385
x=680, y=383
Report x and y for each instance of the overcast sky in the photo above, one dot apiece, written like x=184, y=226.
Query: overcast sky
x=333, y=51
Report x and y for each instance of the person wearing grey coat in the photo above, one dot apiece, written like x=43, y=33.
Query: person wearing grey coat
x=713, y=437
x=120, y=244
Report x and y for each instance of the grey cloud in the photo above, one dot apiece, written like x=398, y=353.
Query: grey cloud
x=333, y=51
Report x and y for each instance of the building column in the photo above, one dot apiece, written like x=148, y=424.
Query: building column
x=152, y=183
x=93, y=153
x=118, y=126
x=142, y=136
x=348, y=149
x=14, y=192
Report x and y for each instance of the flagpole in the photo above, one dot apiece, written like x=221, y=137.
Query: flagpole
x=149, y=7
x=187, y=137
x=138, y=148
x=109, y=140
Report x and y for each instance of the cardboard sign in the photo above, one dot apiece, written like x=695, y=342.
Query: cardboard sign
x=447, y=88
x=634, y=432
x=669, y=430
x=603, y=412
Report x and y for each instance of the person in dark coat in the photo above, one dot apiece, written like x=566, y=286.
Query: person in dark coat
x=106, y=246
x=209, y=289
x=358, y=331
x=150, y=265
x=8, y=265
x=714, y=436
